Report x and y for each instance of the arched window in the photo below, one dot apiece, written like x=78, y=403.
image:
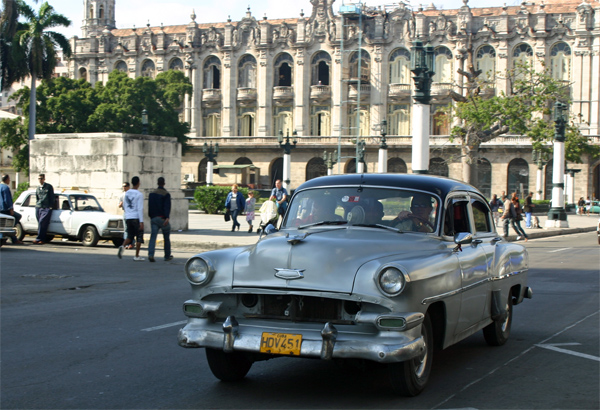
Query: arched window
x=148, y=69
x=398, y=119
x=443, y=65
x=522, y=57
x=437, y=166
x=560, y=61
x=320, y=120
x=246, y=121
x=212, y=124
x=397, y=166
x=247, y=72
x=242, y=161
x=440, y=125
x=400, y=67
x=176, y=64
x=83, y=73
x=283, y=70
x=548, y=180
x=481, y=176
x=92, y=12
x=485, y=61
x=121, y=66
x=283, y=120
x=518, y=177
x=320, y=65
x=212, y=73
x=315, y=168
x=364, y=121
x=365, y=66
x=276, y=170
x=101, y=12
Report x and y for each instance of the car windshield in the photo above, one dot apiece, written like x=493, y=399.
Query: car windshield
x=84, y=203
x=405, y=210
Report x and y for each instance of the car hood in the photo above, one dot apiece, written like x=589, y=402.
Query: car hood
x=321, y=260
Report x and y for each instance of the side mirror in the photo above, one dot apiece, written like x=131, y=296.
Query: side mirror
x=462, y=238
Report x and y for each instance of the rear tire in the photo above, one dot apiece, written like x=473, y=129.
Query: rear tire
x=410, y=378
x=497, y=333
x=90, y=236
x=228, y=367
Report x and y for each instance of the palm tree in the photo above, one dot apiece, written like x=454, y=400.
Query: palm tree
x=38, y=47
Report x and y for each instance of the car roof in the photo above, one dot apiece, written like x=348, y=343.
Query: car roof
x=61, y=191
x=438, y=185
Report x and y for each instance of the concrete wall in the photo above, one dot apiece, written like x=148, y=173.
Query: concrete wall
x=101, y=162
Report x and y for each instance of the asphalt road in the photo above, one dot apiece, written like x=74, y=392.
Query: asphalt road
x=81, y=329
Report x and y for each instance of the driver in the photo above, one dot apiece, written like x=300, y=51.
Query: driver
x=417, y=219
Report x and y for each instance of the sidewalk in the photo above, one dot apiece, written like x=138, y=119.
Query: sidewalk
x=208, y=232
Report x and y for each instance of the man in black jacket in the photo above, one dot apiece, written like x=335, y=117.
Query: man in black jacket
x=44, y=196
x=159, y=210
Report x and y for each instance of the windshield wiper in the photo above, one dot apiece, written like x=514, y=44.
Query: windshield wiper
x=323, y=223
x=380, y=226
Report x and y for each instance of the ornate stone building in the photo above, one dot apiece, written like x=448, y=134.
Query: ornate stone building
x=334, y=75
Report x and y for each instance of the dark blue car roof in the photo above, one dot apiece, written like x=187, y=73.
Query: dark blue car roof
x=441, y=186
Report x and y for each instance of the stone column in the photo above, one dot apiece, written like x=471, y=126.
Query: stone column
x=229, y=99
x=301, y=90
x=338, y=93
x=264, y=109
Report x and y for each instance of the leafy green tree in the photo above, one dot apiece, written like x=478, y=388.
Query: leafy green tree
x=37, y=46
x=525, y=110
x=14, y=137
x=211, y=199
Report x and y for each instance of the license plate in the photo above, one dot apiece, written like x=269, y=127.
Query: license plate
x=280, y=343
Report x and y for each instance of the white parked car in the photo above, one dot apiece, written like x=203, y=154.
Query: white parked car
x=77, y=215
x=7, y=228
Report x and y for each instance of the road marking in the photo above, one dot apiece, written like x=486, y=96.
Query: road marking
x=552, y=346
x=559, y=250
x=150, y=329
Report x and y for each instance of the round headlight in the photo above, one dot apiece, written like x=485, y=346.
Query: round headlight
x=197, y=271
x=391, y=281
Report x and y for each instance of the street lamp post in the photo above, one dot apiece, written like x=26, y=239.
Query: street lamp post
x=287, y=150
x=360, y=164
x=144, y=122
x=210, y=153
x=383, y=148
x=330, y=160
x=557, y=216
x=422, y=66
x=541, y=159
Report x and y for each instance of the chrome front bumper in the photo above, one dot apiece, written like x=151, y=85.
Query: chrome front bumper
x=325, y=343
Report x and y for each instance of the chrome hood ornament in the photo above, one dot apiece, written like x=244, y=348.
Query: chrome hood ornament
x=289, y=274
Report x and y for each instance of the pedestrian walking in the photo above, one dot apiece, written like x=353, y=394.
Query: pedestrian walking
x=126, y=187
x=516, y=222
x=250, y=209
x=580, y=206
x=508, y=216
x=159, y=211
x=6, y=205
x=235, y=204
x=134, y=219
x=44, y=196
x=495, y=205
x=528, y=208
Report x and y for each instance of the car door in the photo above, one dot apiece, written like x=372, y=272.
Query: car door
x=59, y=216
x=27, y=211
x=473, y=264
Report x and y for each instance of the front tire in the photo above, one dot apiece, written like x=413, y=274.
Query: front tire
x=497, y=333
x=410, y=378
x=90, y=236
x=20, y=233
x=228, y=367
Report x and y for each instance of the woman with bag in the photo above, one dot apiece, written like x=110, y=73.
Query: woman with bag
x=235, y=204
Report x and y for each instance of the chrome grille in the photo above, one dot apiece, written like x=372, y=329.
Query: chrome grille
x=7, y=222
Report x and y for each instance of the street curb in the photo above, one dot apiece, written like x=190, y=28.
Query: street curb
x=555, y=232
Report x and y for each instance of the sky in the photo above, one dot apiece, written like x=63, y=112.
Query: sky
x=138, y=13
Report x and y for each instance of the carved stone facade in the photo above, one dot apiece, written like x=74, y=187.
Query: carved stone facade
x=332, y=75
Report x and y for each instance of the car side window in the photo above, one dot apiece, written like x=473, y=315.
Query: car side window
x=29, y=201
x=457, y=217
x=481, y=216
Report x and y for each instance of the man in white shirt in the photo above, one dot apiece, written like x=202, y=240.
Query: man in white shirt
x=133, y=205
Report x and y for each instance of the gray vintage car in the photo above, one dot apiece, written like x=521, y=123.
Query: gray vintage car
x=376, y=267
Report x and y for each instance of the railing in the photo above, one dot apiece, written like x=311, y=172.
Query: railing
x=283, y=92
x=211, y=94
x=441, y=88
x=399, y=90
x=365, y=91
x=246, y=93
x=320, y=91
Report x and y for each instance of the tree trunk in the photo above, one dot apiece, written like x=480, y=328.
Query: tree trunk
x=466, y=164
x=32, y=106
